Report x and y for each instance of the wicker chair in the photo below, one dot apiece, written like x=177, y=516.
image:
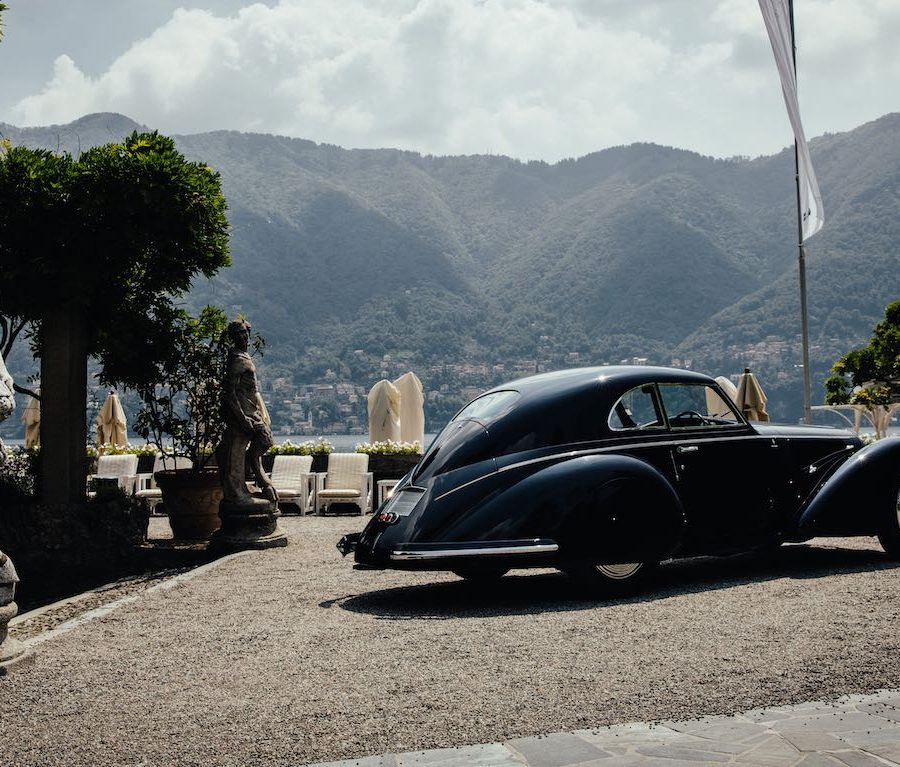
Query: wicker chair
x=347, y=480
x=294, y=481
x=120, y=467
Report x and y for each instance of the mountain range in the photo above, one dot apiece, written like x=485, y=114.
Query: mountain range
x=355, y=264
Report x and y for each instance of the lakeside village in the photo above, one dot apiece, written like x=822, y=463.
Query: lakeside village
x=332, y=406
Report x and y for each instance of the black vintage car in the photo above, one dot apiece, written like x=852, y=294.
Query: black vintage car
x=605, y=472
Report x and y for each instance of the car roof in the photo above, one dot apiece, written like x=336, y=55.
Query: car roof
x=616, y=377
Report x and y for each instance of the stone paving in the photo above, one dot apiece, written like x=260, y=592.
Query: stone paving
x=855, y=731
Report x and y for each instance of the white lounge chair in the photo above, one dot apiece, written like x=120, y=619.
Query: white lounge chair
x=147, y=489
x=122, y=468
x=347, y=480
x=294, y=481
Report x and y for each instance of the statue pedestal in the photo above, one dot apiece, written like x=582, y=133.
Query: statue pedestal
x=10, y=649
x=248, y=526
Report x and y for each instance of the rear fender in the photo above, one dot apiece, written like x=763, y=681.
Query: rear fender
x=856, y=498
x=606, y=508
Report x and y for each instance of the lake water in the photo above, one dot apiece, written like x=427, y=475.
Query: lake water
x=343, y=443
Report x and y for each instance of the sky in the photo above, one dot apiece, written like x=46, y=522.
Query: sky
x=531, y=79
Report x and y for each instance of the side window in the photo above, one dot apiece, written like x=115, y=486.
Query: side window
x=637, y=409
x=693, y=405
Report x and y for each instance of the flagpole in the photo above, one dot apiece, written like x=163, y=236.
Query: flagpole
x=801, y=258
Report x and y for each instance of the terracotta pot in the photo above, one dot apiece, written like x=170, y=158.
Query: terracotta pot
x=191, y=499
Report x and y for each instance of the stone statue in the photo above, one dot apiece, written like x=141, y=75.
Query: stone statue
x=9, y=647
x=248, y=519
x=247, y=436
x=7, y=400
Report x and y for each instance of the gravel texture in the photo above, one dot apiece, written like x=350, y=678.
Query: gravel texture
x=289, y=656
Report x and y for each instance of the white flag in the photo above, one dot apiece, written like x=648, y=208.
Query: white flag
x=778, y=24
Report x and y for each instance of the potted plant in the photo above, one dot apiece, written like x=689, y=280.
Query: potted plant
x=180, y=416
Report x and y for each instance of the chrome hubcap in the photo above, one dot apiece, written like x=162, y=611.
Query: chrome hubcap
x=619, y=572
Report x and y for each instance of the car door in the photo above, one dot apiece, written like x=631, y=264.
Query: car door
x=724, y=471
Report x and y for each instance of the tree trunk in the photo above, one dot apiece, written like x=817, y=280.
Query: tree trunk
x=63, y=406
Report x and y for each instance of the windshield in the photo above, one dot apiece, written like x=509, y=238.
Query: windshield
x=488, y=406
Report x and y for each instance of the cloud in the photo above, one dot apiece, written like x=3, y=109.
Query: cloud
x=530, y=78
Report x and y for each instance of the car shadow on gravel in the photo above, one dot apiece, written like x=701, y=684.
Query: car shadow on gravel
x=525, y=592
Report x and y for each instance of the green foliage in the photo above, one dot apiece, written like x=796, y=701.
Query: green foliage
x=115, y=233
x=181, y=415
x=17, y=475
x=109, y=449
x=2, y=8
x=836, y=390
x=873, y=370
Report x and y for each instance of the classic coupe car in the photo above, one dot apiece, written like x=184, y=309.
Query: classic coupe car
x=605, y=472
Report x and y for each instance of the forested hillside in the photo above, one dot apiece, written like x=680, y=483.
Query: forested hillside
x=341, y=257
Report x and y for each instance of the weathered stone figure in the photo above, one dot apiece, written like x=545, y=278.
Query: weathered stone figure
x=9, y=648
x=7, y=400
x=247, y=436
x=247, y=519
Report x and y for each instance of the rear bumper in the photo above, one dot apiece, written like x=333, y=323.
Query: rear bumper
x=435, y=552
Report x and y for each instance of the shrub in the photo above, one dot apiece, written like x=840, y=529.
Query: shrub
x=129, y=449
x=320, y=446
x=389, y=447
x=17, y=474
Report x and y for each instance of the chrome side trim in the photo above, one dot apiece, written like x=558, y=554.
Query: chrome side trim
x=505, y=548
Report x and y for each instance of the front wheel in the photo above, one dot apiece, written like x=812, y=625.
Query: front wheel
x=614, y=580
x=889, y=537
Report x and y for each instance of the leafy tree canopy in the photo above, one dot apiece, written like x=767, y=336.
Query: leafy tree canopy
x=875, y=368
x=114, y=234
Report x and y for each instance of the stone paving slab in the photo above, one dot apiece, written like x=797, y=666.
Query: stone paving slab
x=855, y=731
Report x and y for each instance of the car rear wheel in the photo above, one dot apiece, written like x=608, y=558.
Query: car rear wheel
x=610, y=580
x=480, y=573
x=889, y=537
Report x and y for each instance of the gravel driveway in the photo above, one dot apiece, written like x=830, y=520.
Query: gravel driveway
x=290, y=656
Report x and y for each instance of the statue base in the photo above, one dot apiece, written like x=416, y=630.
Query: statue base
x=248, y=525
x=11, y=650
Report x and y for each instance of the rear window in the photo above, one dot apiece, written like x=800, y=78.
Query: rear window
x=488, y=406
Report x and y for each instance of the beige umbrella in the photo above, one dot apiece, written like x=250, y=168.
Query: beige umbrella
x=715, y=405
x=412, y=408
x=111, y=422
x=750, y=399
x=31, y=417
x=384, y=412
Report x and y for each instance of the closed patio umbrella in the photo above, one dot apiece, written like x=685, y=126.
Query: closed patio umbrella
x=715, y=405
x=412, y=408
x=384, y=412
x=751, y=400
x=31, y=418
x=111, y=428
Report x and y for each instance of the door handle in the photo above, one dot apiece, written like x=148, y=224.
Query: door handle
x=687, y=448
